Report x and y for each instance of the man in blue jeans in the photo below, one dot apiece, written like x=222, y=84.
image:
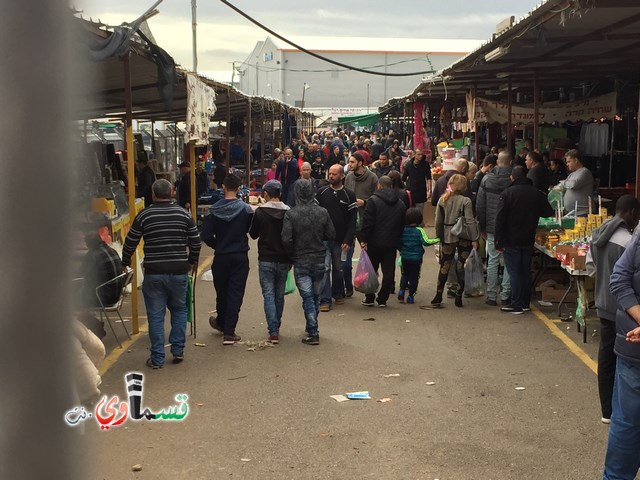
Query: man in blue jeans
x=273, y=259
x=171, y=249
x=305, y=229
x=622, y=461
x=225, y=230
x=519, y=209
x=341, y=204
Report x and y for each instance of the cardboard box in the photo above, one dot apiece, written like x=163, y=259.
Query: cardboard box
x=578, y=263
x=554, y=294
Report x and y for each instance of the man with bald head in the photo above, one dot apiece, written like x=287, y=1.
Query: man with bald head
x=341, y=204
x=460, y=167
x=491, y=187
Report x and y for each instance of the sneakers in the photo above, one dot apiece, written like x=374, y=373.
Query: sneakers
x=339, y=301
x=230, y=340
x=458, y=301
x=349, y=293
x=505, y=303
x=410, y=300
x=382, y=305
x=311, y=340
x=367, y=303
x=213, y=321
x=274, y=339
x=150, y=364
x=401, y=296
x=513, y=310
x=493, y=303
x=605, y=420
x=178, y=358
x=325, y=307
x=437, y=300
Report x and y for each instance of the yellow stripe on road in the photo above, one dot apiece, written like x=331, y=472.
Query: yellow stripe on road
x=113, y=357
x=570, y=344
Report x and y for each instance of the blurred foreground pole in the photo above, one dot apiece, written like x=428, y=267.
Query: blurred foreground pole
x=35, y=333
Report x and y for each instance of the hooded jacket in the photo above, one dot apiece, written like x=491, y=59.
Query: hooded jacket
x=383, y=220
x=625, y=287
x=363, y=186
x=267, y=228
x=379, y=170
x=491, y=187
x=225, y=228
x=306, y=227
x=520, y=207
x=608, y=243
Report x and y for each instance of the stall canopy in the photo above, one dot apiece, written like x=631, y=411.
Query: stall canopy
x=365, y=120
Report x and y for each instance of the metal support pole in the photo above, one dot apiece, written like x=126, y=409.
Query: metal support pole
x=262, y=120
x=509, y=121
x=194, y=11
x=192, y=180
x=476, y=143
x=638, y=151
x=131, y=182
x=613, y=136
x=536, y=113
x=227, y=159
x=248, y=150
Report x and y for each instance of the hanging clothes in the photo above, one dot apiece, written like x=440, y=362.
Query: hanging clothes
x=594, y=139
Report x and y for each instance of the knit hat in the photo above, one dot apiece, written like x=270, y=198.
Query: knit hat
x=273, y=188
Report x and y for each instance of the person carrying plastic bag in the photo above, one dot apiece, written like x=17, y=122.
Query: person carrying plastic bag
x=473, y=275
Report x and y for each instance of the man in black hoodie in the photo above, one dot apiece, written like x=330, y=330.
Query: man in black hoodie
x=305, y=230
x=225, y=230
x=519, y=208
x=381, y=236
x=273, y=260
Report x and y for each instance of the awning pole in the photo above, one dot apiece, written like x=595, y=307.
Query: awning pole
x=613, y=135
x=509, y=121
x=476, y=143
x=638, y=151
x=262, y=120
x=248, y=151
x=227, y=159
x=131, y=183
x=536, y=113
x=192, y=179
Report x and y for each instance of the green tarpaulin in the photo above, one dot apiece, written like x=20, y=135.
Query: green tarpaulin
x=366, y=119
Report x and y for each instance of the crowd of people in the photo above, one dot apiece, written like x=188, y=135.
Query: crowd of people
x=346, y=192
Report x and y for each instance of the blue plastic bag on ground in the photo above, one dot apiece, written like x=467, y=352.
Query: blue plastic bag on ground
x=473, y=275
x=365, y=279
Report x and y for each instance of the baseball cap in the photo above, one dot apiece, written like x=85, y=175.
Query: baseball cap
x=273, y=188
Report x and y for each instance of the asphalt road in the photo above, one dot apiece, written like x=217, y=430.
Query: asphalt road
x=272, y=407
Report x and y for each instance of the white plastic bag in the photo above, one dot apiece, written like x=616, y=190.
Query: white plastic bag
x=473, y=275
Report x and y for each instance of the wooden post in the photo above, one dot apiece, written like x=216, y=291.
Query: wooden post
x=536, y=113
x=638, y=153
x=131, y=183
x=227, y=158
x=262, y=120
x=248, y=151
x=509, y=121
x=476, y=143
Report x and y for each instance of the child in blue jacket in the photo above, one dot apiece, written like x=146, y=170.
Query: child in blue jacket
x=414, y=239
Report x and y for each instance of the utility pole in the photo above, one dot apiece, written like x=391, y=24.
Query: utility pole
x=195, y=39
x=233, y=72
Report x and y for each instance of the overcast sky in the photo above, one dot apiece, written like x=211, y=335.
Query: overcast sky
x=224, y=36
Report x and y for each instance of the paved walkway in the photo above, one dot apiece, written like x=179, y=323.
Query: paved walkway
x=272, y=407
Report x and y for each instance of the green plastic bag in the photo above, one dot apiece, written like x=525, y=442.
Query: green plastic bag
x=290, y=285
x=189, y=299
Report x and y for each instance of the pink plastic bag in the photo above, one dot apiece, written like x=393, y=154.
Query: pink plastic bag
x=365, y=279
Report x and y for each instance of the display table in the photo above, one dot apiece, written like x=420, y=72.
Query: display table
x=576, y=280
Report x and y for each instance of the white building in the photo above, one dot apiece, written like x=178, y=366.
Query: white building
x=281, y=71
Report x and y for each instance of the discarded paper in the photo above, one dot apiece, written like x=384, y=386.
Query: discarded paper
x=389, y=375
x=199, y=344
x=359, y=395
x=136, y=468
x=520, y=388
x=245, y=459
x=339, y=398
x=383, y=400
x=430, y=383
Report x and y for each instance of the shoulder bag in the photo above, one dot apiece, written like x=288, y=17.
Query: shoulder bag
x=466, y=228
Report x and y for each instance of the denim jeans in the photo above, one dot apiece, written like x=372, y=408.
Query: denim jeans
x=310, y=280
x=494, y=259
x=333, y=287
x=273, y=276
x=161, y=292
x=623, y=450
x=347, y=270
x=518, y=263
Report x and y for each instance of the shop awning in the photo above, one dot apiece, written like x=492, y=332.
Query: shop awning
x=362, y=120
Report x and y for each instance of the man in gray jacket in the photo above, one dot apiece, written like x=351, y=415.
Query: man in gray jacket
x=491, y=187
x=608, y=243
x=306, y=228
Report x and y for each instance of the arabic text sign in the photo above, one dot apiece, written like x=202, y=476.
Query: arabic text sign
x=598, y=107
x=112, y=413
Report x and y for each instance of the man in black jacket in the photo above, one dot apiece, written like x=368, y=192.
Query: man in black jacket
x=144, y=180
x=273, y=259
x=538, y=173
x=520, y=207
x=341, y=204
x=381, y=236
x=417, y=175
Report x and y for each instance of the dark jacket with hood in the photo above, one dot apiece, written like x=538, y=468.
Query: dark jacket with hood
x=625, y=286
x=416, y=177
x=363, y=186
x=608, y=243
x=379, y=170
x=225, y=228
x=306, y=227
x=520, y=207
x=491, y=187
x=383, y=221
x=267, y=228
x=441, y=186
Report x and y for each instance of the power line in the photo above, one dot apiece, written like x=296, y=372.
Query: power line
x=313, y=54
x=266, y=69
